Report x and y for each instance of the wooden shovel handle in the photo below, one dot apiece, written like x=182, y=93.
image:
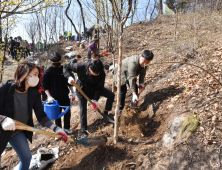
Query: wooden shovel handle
x=106, y=117
x=89, y=100
x=22, y=126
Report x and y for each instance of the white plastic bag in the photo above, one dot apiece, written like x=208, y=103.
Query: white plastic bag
x=38, y=160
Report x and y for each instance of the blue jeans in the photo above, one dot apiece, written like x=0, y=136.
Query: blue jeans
x=20, y=144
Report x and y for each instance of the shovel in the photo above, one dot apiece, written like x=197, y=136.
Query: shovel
x=86, y=142
x=106, y=117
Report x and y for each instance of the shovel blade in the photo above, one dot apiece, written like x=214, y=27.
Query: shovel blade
x=108, y=118
x=93, y=141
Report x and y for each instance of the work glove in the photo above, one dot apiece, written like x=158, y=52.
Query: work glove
x=8, y=124
x=135, y=99
x=50, y=99
x=63, y=133
x=141, y=86
x=71, y=80
x=72, y=95
x=94, y=105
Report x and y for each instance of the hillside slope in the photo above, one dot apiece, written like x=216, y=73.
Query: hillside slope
x=187, y=85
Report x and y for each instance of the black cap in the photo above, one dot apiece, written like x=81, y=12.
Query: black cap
x=55, y=57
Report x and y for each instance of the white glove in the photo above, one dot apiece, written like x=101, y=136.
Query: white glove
x=95, y=104
x=72, y=95
x=50, y=99
x=63, y=133
x=135, y=98
x=71, y=80
x=8, y=124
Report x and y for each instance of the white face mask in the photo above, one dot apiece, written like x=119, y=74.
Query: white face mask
x=33, y=81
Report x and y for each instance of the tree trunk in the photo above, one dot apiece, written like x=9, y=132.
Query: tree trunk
x=4, y=58
x=153, y=10
x=147, y=9
x=133, y=11
x=160, y=7
x=118, y=82
x=66, y=12
x=83, y=19
x=98, y=29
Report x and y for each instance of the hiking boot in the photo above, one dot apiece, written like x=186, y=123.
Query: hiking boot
x=84, y=135
x=68, y=131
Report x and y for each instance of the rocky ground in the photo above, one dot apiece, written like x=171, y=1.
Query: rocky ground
x=183, y=79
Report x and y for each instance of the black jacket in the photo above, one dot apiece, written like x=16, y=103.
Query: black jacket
x=54, y=81
x=7, y=110
x=11, y=43
x=91, y=85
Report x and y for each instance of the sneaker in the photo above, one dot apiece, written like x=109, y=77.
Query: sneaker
x=84, y=134
x=68, y=131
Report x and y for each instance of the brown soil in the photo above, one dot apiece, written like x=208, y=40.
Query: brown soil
x=171, y=90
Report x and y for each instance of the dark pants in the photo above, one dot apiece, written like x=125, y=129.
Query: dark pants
x=89, y=35
x=123, y=96
x=27, y=52
x=89, y=54
x=16, y=54
x=12, y=52
x=64, y=101
x=83, y=105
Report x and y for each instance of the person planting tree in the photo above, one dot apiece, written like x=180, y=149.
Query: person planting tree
x=92, y=48
x=91, y=79
x=131, y=68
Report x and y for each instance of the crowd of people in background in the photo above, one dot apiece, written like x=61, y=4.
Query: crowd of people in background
x=18, y=48
x=67, y=35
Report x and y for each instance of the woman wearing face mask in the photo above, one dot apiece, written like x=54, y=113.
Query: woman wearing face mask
x=56, y=88
x=18, y=97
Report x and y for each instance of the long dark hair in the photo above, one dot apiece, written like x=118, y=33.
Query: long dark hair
x=22, y=72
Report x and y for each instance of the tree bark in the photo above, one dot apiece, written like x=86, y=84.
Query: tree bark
x=83, y=18
x=133, y=11
x=118, y=83
x=147, y=9
x=153, y=10
x=160, y=7
x=66, y=12
x=121, y=24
